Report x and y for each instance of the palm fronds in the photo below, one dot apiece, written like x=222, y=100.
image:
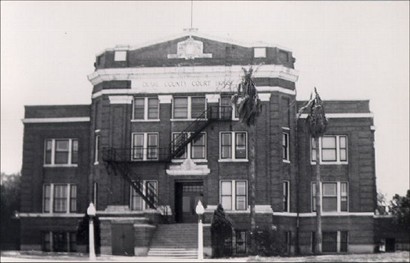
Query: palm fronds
x=246, y=100
x=316, y=120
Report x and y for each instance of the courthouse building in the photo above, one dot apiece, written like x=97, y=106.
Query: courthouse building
x=161, y=134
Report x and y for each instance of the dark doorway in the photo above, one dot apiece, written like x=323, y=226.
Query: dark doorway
x=122, y=239
x=390, y=244
x=187, y=195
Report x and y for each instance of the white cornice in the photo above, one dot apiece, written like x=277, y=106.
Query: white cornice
x=176, y=91
x=120, y=99
x=343, y=115
x=232, y=73
x=56, y=120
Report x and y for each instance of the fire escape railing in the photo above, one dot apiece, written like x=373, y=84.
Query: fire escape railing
x=119, y=161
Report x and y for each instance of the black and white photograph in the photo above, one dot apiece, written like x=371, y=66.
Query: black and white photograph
x=205, y=131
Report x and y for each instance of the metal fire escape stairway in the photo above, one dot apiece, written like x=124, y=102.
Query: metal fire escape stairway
x=120, y=161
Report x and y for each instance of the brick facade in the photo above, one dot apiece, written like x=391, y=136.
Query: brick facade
x=110, y=117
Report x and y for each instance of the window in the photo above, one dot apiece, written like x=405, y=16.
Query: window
x=336, y=241
x=234, y=195
x=285, y=146
x=46, y=198
x=120, y=55
x=259, y=52
x=241, y=195
x=227, y=108
x=95, y=194
x=233, y=145
x=329, y=241
x=286, y=196
x=152, y=153
x=139, y=108
x=198, y=107
x=144, y=146
x=153, y=108
x=333, y=149
x=59, y=198
x=59, y=241
x=97, y=145
x=334, y=197
x=240, y=238
x=329, y=197
x=226, y=195
x=47, y=241
x=61, y=152
x=287, y=241
x=178, y=138
x=196, y=149
x=146, y=109
x=343, y=241
x=343, y=197
x=150, y=190
x=73, y=198
x=189, y=107
x=226, y=146
x=240, y=145
x=180, y=108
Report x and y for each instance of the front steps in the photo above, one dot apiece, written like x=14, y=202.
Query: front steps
x=175, y=241
x=173, y=253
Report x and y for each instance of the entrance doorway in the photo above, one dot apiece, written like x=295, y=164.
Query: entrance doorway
x=187, y=195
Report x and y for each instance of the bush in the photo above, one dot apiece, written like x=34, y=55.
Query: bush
x=269, y=242
x=83, y=233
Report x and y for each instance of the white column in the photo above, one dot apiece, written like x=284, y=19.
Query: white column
x=200, y=240
x=91, y=240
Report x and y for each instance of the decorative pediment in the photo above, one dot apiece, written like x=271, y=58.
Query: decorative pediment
x=188, y=167
x=190, y=49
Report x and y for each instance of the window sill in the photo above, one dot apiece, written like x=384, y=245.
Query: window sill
x=194, y=160
x=330, y=163
x=176, y=120
x=145, y=160
x=59, y=165
x=96, y=163
x=153, y=120
x=233, y=160
x=286, y=161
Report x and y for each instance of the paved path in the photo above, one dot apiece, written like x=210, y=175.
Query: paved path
x=17, y=256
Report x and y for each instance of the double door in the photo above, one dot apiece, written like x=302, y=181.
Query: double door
x=187, y=195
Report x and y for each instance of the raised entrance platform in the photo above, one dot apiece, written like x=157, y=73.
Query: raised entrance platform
x=175, y=241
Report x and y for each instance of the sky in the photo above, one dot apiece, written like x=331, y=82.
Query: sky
x=348, y=50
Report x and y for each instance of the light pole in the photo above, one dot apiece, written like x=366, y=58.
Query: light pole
x=91, y=213
x=200, y=211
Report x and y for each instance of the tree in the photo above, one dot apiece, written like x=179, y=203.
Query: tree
x=221, y=229
x=249, y=107
x=317, y=124
x=381, y=204
x=83, y=229
x=10, y=203
x=400, y=206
